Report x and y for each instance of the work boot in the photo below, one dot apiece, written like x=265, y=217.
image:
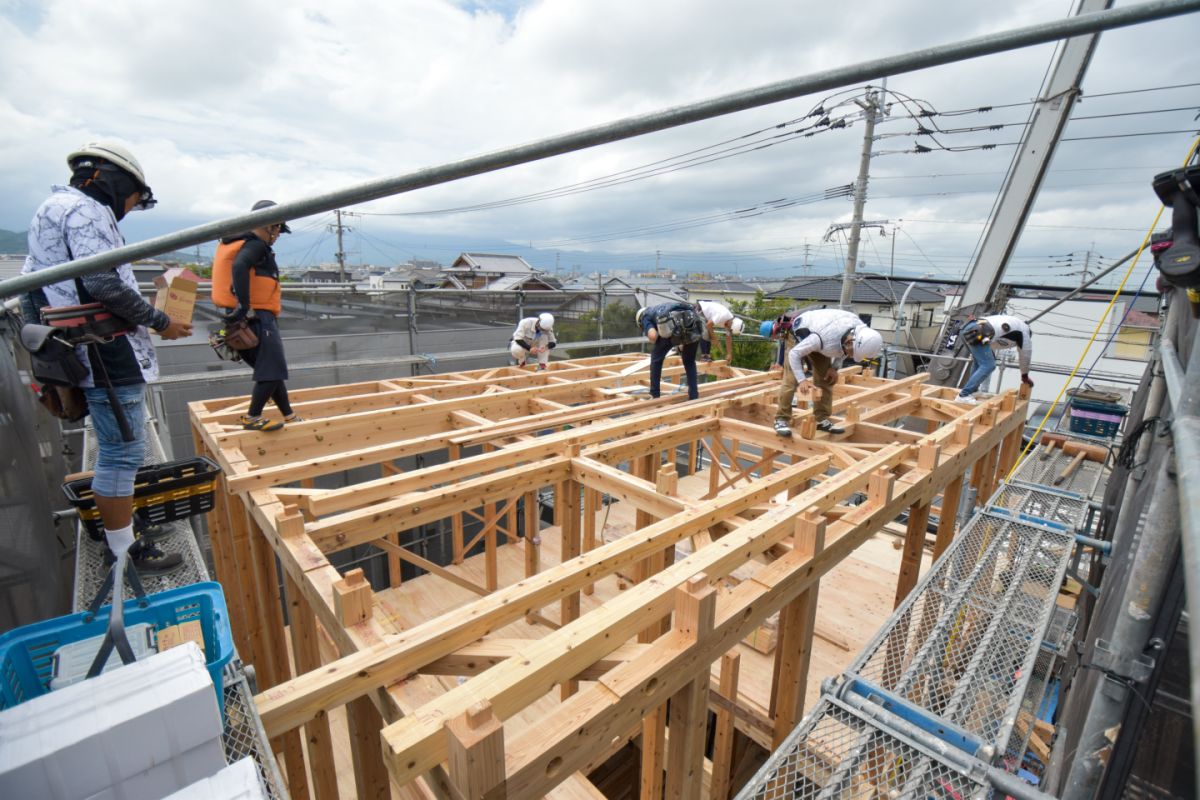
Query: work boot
x=541, y=367
x=250, y=423
x=827, y=426
x=705, y=358
x=290, y=418
x=147, y=559
x=966, y=400
x=782, y=428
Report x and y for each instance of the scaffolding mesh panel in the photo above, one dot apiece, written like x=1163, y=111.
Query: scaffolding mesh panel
x=837, y=754
x=960, y=646
x=1035, y=501
x=244, y=735
x=176, y=537
x=1044, y=464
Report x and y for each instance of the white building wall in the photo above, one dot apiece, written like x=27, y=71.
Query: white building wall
x=1059, y=338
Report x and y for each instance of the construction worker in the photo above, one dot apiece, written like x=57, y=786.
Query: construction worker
x=77, y=221
x=780, y=329
x=245, y=286
x=715, y=314
x=985, y=337
x=826, y=337
x=534, y=336
x=669, y=325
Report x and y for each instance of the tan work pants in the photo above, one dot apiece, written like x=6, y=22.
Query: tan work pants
x=822, y=403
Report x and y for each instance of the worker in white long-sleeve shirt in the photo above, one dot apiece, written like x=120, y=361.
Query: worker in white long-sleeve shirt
x=985, y=336
x=826, y=337
x=533, y=336
x=717, y=315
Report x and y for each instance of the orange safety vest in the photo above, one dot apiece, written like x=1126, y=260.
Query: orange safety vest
x=264, y=289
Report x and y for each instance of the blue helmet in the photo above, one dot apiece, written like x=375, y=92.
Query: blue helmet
x=766, y=329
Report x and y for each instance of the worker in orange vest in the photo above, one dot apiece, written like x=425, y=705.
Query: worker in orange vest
x=245, y=286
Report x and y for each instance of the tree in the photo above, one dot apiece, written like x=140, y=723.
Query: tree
x=754, y=352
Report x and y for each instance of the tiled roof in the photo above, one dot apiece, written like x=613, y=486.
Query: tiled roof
x=880, y=291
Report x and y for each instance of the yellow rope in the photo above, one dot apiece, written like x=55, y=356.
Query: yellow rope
x=1024, y=453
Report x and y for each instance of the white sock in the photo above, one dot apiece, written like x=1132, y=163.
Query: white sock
x=120, y=540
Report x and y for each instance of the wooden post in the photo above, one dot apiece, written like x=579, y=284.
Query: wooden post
x=797, y=622
x=568, y=499
x=695, y=609
x=454, y=452
x=307, y=654
x=233, y=570
x=370, y=774
x=722, y=759
x=667, y=483
x=914, y=545
x=476, y=740
x=948, y=516
x=591, y=507
x=532, y=533
x=353, y=598
x=274, y=648
x=491, y=566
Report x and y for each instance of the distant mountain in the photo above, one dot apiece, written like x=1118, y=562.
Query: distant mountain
x=12, y=242
x=16, y=244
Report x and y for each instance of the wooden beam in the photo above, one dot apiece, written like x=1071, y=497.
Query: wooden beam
x=797, y=624
x=370, y=772
x=307, y=654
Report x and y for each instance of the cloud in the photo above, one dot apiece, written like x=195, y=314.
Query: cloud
x=229, y=102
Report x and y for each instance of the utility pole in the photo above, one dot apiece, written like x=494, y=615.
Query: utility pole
x=340, y=255
x=870, y=109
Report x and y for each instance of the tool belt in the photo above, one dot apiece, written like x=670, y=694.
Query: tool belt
x=85, y=324
x=681, y=326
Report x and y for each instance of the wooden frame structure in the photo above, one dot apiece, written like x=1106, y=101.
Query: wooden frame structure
x=454, y=705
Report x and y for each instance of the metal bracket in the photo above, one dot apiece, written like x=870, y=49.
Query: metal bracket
x=1137, y=669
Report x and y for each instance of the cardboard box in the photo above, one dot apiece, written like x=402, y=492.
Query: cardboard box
x=176, y=294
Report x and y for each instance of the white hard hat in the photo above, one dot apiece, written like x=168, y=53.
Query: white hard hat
x=111, y=152
x=738, y=325
x=868, y=343
x=637, y=318
x=546, y=321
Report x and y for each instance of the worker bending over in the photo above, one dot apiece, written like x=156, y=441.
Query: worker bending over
x=987, y=335
x=533, y=336
x=826, y=337
x=714, y=314
x=670, y=325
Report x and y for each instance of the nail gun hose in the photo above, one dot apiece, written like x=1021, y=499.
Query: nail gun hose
x=118, y=411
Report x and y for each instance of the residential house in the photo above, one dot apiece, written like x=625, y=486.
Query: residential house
x=320, y=276
x=494, y=272
x=720, y=291
x=877, y=300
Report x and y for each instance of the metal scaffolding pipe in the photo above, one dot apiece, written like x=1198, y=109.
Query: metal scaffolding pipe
x=1079, y=290
x=1185, y=428
x=611, y=132
x=1120, y=656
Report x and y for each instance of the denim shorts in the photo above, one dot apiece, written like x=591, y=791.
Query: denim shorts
x=117, y=461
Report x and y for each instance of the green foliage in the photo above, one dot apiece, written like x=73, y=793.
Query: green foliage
x=618, y=323
x=750, y=351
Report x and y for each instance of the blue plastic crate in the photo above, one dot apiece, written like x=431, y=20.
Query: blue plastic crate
x=1093, y=418
x=26, y=653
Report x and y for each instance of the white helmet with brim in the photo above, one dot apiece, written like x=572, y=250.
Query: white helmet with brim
x=546, y=322
x=868, y=344
x=119, y=156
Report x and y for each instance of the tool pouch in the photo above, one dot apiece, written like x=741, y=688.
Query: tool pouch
x=240, y=336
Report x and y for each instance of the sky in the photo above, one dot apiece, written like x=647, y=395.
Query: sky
x=225, y=103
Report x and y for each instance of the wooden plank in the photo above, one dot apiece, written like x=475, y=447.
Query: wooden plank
x=948, y=517
x=695, y=609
